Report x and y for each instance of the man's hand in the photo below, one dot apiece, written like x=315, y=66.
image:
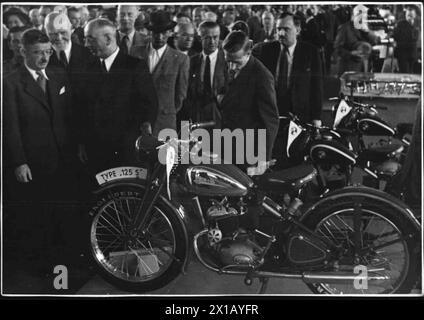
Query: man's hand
x=82, y=153
x=146, y=129
x=317, y=123
x=23, y=173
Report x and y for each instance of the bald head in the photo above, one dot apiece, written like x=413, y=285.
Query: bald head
x=184, y=36
x=100, y=37
x=58, y=28
x=211, y=16
x=127, y=15
x=35, y=17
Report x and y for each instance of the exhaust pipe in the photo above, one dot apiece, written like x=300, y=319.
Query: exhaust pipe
x=340, y=278
x=307, y=277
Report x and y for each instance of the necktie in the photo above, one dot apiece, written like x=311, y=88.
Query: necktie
x=41, y=80
x=63, y=59
x=207, y=77
x=124, y=44
x=284, y=68
x=232, y=75
x=104, y=66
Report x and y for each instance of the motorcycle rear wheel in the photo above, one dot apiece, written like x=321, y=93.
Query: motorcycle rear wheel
x=135, y=262
x=398, y=254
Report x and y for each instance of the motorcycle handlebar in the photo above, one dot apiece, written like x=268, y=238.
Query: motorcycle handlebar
x=201, y=125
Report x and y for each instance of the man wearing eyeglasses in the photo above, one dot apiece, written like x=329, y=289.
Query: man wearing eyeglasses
x=37, y=147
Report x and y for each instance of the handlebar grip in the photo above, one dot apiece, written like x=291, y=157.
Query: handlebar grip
x=200, y=125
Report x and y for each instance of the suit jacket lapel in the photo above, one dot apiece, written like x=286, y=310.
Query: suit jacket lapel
x=162, y=63
x=33, y=89
x=52, y=91
x=219, y=71
x=240, y=79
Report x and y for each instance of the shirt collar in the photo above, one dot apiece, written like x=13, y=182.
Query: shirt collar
x=130, y=35
x=160, y=51
x=67, y=51
x=212, y=56
x=109, y=60
x=290, y=49
x=34, y=73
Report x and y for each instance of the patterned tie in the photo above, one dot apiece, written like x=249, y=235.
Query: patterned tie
x=124, y=44
x=41, y=80
x=63, y=59
x=207, y=77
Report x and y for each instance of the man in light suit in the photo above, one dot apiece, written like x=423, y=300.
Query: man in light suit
x=129, y=40
x=38, y=152
x=208, y=77
x=169, y=69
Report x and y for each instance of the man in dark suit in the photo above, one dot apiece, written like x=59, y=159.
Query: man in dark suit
x=406, y=34
x=268, y=31
x=169, y=69
x=297, y=71
x=37, y=144
x=72, y=57
x=129, y=40
x=250, y=102
x=208, y=78
x=118, y=99
x=77, y=32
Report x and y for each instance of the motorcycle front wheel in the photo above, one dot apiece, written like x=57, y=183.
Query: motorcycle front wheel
x=388, y=245
x=136, y=260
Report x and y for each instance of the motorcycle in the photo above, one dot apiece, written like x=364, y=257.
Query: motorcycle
x=146, y=219
x=355, y=121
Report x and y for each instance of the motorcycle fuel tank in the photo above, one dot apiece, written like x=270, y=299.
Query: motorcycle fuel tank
x=331, y=152
x=217, y=180
x=374, y=127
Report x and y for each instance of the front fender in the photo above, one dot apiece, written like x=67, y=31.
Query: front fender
x=175, y=207
x=365, y=192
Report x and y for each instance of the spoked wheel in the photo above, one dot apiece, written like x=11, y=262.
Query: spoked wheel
x=136, y=259
x=374, y=242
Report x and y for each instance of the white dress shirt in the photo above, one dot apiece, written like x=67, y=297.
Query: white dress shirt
x=213, y=57
x=109, y=60
x=34, y=73
x=67, y=52
x=155, y=56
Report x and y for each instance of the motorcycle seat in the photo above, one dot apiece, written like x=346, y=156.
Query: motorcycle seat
x=287, y=180
x=378, y=154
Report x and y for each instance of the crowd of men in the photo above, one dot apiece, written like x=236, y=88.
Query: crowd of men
x=80, y=83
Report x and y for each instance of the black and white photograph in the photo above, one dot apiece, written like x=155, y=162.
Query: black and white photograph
x=216, y=149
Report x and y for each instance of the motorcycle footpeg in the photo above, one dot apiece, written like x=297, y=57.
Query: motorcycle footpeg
x=248, y=280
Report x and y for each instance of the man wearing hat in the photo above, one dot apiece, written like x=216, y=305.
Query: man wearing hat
x=169, y=69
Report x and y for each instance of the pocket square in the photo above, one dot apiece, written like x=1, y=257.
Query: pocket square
x=62, y=91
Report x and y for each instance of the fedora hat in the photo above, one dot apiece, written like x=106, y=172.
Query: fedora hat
x=160, y=21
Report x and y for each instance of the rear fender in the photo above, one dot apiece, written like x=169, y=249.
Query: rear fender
x=365, y=192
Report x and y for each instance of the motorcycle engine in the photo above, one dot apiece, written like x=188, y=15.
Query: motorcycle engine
x=231, y=244
x=240, y=250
